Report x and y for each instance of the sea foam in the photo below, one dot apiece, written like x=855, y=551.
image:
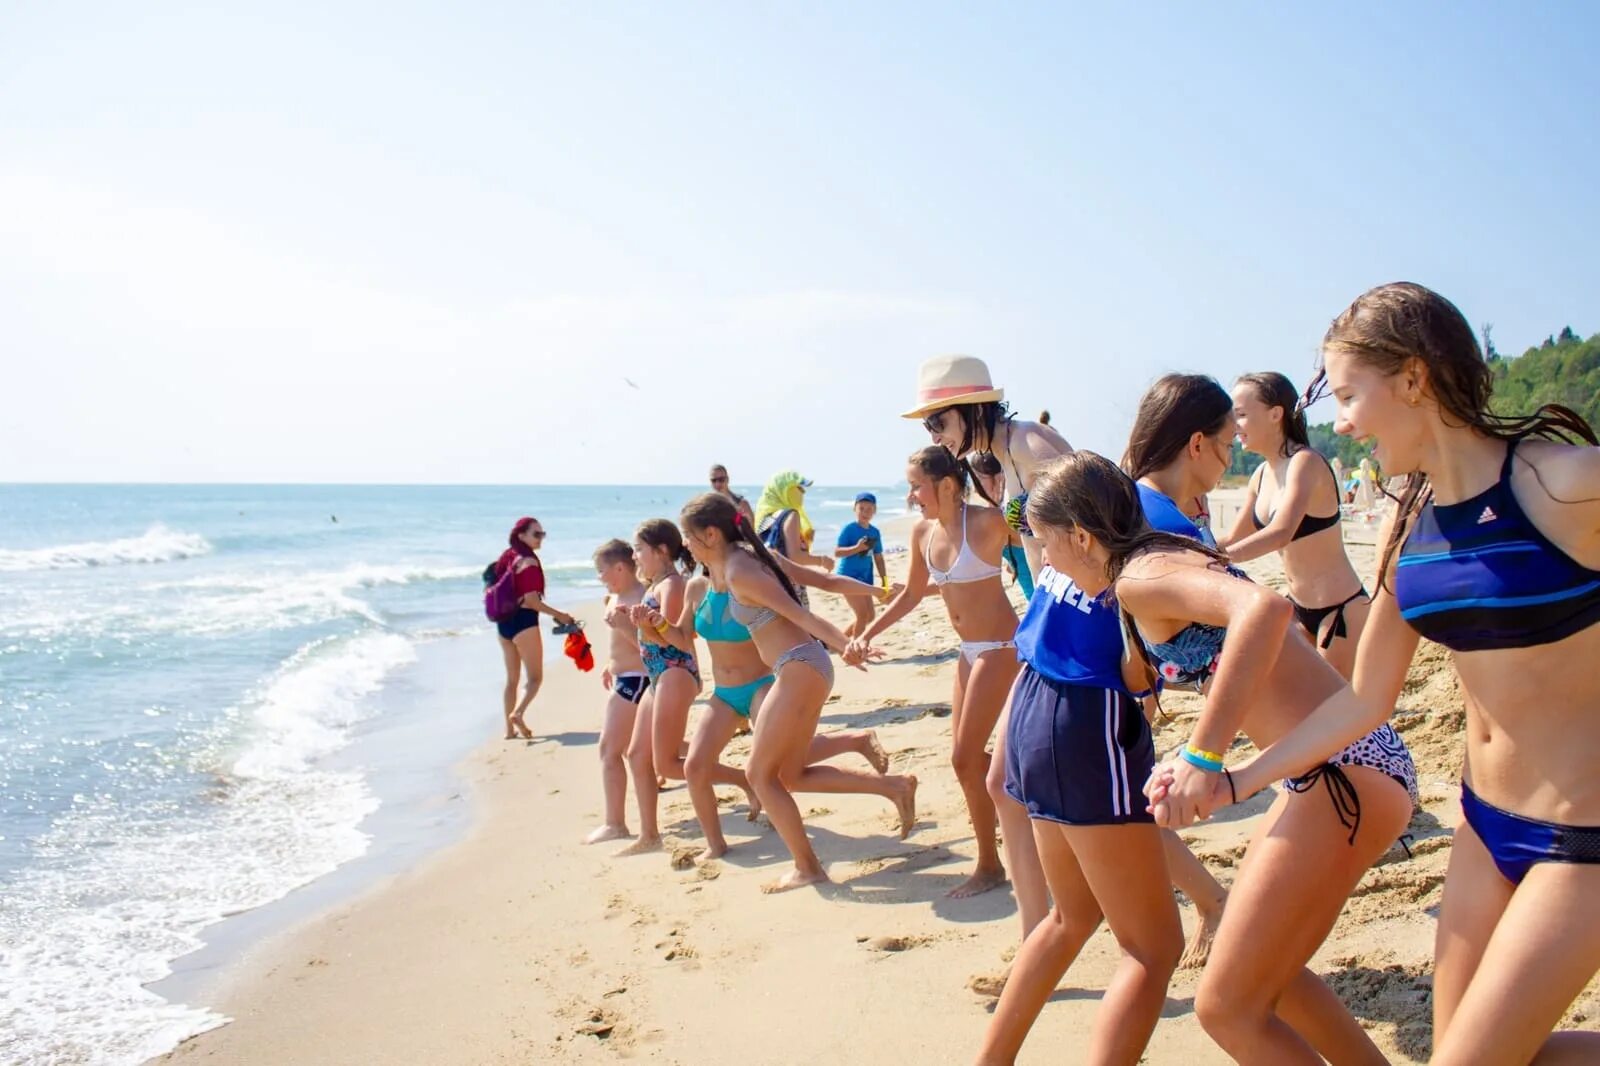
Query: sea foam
x=158, y=544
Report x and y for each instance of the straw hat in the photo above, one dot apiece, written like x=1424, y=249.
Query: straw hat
x=946, y=380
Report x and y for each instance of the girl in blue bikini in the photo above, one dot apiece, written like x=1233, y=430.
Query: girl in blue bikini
x=742, y=679
x=1494, y=552
x=763, y=598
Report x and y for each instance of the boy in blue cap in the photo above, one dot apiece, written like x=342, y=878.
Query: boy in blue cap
x=860, y=546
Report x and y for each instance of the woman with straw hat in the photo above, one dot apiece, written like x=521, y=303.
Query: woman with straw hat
x=962, y=410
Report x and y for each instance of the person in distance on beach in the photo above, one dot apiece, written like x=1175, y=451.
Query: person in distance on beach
x=625, y=681
x=720, y=483
x=1493, y=552
x=969, y=542
x=781, y=522
x=1298, y=492
x=859, y=547
x=521, y=644
x=763, y=598
x=656, y=747
x=1194, y=621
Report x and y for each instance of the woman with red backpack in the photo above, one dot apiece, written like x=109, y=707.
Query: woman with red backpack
x=514, y=598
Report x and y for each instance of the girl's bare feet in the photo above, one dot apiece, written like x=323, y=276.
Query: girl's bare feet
x=521, y=727
x=905, y=801
x=795, y=879
x=607, y=832
x=982, y=880
x=1198, y=950
x=875, y=754
x=713, y=852
x=642, y=846
x=754, y=803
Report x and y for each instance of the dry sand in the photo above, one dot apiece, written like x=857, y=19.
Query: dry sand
x=521, y=945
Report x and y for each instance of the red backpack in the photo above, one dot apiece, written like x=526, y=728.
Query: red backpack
x=500, y=599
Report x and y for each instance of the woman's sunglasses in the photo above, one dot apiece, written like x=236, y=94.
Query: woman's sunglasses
x=934, y=423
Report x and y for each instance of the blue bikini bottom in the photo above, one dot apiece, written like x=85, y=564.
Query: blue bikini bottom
x=740, y=697
x=1516, y=843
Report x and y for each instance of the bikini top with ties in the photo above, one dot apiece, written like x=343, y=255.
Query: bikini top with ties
x=753, y=618
x=966, y=569
x=1188, y=658
x=1478, y=574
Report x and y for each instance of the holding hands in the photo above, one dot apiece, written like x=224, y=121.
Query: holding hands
x=1181, y=793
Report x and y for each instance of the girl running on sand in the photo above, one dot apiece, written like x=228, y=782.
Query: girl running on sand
x=958, y=547
x=1494, y=552
x=962, y=410
x=657, y=744
x=1292, y=507
x=742, y=679
x=763, y=599
x=1192, y=620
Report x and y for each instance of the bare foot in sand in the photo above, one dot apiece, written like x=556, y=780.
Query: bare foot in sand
x=521, y=727
x=642, y=846
x=906, y=803
x=607, y=832
x=661, y=784
x=794, y=879
x=711, y=853
x=981, y=881
x=875, y=753
x=754, y=803
x=1198, y=950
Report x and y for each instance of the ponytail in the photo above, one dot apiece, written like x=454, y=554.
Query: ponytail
x=712, y=510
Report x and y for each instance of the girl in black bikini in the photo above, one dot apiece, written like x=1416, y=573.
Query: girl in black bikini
x=1293, y=507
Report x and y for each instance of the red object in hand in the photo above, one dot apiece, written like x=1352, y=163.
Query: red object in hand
x=577, y=649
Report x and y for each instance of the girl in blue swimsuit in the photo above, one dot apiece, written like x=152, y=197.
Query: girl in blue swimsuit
x=790, y=638
x=1494, y=552
x=1193, y=621
x=742, y=680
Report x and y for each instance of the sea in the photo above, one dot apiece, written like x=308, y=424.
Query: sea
x=211, y=696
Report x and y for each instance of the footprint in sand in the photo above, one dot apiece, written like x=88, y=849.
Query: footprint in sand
x=896, y=943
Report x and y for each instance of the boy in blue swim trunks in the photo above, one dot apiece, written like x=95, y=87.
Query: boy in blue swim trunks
x=624, y=679
x=860, y=546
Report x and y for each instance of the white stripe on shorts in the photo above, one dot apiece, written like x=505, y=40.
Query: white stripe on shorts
x=1116, y=758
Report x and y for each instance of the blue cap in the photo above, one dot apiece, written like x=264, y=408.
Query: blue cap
x=866, y=497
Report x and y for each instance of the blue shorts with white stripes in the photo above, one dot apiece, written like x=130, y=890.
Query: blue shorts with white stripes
x=1077, y=755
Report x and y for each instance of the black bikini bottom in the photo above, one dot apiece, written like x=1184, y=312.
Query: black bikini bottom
x=1310, y=618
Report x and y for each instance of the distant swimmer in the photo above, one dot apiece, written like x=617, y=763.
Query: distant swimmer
x=333, y=518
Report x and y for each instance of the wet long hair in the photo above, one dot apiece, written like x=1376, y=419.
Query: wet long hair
x=1388, y=327
x=1086, y=491
x=1275, y=390
x=936, y=462
x=660, y=533
x=1174, y=409
x=713, y=510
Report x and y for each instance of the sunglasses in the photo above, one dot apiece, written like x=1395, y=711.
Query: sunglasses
x=719, y=481
x=934, y=423
x=535, y=532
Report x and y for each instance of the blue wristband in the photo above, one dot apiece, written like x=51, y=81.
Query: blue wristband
x=1194, y=758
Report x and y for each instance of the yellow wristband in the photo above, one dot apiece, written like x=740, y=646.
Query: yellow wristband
x=662, y=627
x=1213, y=756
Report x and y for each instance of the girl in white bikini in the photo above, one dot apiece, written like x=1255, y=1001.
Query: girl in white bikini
x=971, y=541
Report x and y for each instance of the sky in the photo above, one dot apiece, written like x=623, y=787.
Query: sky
x=613, y=243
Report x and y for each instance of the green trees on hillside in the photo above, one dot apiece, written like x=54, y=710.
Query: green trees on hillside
x=1565, y=369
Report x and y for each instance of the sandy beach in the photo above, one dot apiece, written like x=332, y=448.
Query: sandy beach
x=520, y=945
